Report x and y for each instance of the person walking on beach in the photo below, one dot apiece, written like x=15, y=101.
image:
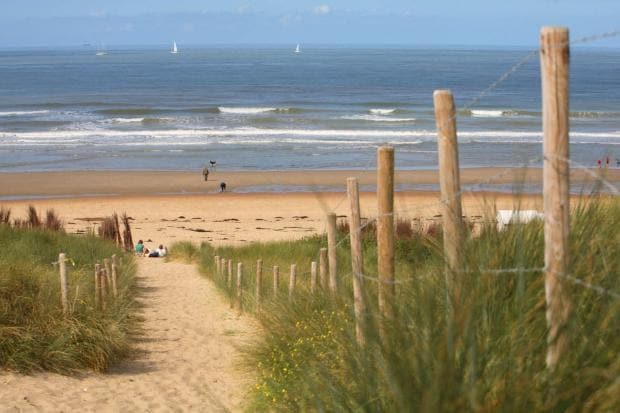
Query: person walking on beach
x=222, y=186
x=205, y=172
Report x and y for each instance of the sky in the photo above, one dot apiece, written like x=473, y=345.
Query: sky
x=62, y=23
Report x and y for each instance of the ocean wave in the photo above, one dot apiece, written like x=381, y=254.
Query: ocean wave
x=376, y=111
x=341, y=135
x=24, y=113
x=127, y=120
x=128, y=111
x=254, y=110
x=377, y=118
x=487, y=113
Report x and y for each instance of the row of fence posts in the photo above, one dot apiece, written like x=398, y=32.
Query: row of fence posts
x=105, y=282
x=555, y=80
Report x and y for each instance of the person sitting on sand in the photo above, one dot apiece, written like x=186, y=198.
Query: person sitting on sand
x=159, y=252
x=140, y=248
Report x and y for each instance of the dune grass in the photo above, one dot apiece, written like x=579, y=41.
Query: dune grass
x=485, y=353
x=34, y=335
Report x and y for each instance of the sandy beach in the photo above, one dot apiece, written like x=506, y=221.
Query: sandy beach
x=171, y=206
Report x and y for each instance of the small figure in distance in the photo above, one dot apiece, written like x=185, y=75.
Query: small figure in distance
x=159, y=252
x=222, y=186
x=212, y=165
x=139, y=248
x=205, y=172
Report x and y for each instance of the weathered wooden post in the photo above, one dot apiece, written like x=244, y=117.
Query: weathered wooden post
x=115, y=275
x=216, y=260
x=259, y=277
x=357, y=262
x=291, y=281
x=332, y=253
x=229, y=275
x=554, y=58
x=276, y=280
x=449, y=179
x=323, y=269
x=108, y=274
x=385, y=230
x=98, y=298
x=64, y=283
x=104, y=288
x=313, y=276
x=239, y=287
x=229, y=284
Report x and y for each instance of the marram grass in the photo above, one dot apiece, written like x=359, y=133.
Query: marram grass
x=485, y=351
x=34, y=334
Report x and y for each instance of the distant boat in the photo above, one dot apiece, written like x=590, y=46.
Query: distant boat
x=297, y=49
x=100, y=51
x=175, y=49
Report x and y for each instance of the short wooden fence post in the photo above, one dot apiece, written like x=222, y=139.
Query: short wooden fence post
x=313, y=276
x=332, y=253
x=276, y=280
x=323, y=268
x=115, y=275
x=259, y=277
x=98, y=294
x=357, y=262
x=239, y=287
x=292, y=281
x=64, y=283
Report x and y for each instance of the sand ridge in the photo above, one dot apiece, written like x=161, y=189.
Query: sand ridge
x=189, y=357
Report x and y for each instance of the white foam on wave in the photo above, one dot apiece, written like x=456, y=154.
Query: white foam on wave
x=249, y=110
x=24, y=113
x=181, y=136
x=127, y=120
x=484, y=113
x=382, y=112
x=377, y=118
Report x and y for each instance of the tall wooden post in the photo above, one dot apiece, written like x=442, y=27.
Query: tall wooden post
x=292, y=280
x=449, y=179
x=385, y=230
x=313, y=276
x=357, y=262
x=239, y=287
x=97, y=287
x=332, y=253
x=115, y=275
x=323, y=269
x=276, y=280
x=64, y=283
x=259, y=278
x=554, y=57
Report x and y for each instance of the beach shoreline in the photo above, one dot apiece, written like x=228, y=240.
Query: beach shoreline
x=86, y=184
x=166, y=207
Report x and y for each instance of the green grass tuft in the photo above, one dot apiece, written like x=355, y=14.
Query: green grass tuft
x=486, y=353
x=34, y=335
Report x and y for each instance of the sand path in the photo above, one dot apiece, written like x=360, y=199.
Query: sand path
x=188, y=359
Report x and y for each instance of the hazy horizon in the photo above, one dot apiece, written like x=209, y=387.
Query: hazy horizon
x=37, y=23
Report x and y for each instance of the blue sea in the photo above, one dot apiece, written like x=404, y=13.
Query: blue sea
x=267, y=108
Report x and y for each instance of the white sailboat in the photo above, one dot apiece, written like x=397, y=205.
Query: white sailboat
x=100, y=50
x=175, y=49
x=297, y=49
